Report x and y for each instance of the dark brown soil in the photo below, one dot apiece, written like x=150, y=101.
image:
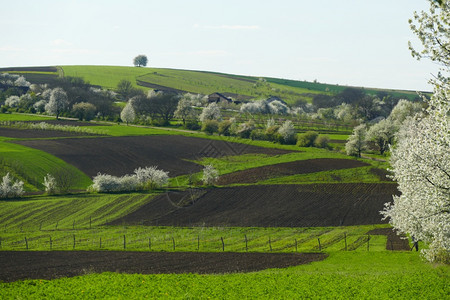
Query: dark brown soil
x=394, y=241
x=313, y=205
x=29, y=69
x=122, y=155
x=289, y=168
x=29, y=133
x=20, y=265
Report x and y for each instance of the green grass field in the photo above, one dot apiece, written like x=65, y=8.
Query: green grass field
x=343, y=275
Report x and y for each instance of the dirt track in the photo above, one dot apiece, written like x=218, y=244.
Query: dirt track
x=19, y=265
x=122, y=155
x=309, y=205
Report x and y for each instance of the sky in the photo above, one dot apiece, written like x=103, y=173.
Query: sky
x=345, y=42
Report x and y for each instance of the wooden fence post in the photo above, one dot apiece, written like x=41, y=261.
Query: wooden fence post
x=223, y=244
x=345, y=240
x=246, y=243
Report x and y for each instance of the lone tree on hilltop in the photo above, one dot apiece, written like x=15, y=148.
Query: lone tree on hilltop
x=140, y=61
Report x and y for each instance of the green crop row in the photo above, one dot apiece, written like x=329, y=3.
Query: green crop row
x=343, y=275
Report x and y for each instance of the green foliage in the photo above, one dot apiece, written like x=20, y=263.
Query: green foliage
x=210, y=126
x=322, y=141
x=307, y=139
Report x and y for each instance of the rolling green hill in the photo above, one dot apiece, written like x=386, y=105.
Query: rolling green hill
x=197, y=82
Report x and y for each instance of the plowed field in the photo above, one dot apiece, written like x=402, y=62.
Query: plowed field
x=268, y=206
x=121, y=155
x=17, y=265
x=289, y=168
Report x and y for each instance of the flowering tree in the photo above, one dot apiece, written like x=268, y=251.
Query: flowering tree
x=128, y=114
x=10, y=188
x=288, y=133
x=58, y=102
x=184, y=110
x=50, y=184
x=356, y=142
x=382, y=134
x=210, y=175
x=211, y=112
x=421, y=166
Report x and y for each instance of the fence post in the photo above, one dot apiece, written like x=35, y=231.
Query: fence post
x=223, y=244
x=124, y=242
x=270, y=244
x=320, y=247
x=246, y=243
x=74, y=241
x=368, y=239
x=26, y=242
x=345, y=240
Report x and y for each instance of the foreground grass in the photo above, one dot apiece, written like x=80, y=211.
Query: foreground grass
x=343, y=275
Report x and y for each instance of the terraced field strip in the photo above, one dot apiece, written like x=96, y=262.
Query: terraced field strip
x=67, y=212
x=204, y=239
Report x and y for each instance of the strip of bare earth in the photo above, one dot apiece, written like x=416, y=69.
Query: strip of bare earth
x=21, y=265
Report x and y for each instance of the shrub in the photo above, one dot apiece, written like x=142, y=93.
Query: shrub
x=210, y=126
x=143, y=178
x=322, y=141
x=84, y=110
x=9, y=188
x=307, y=139
x=50, y=184
x=151, y=177
x=224, y=127
x=272, y=133
x=287, y=132
x=210, y=175
x=245, y=129
x=258, y=134
x=193, y=125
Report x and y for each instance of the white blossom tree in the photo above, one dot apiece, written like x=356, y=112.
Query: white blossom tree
x=184, y=110
x=128, y=114
x=211, y=112
x=404, y=109
x=356, y=142
x=10, y=188
x=421, y=166
x=382, y=134
x=58, y=102
x=210, y=175
x=287, y=132
x=50, y=184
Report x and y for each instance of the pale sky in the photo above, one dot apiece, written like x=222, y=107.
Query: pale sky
x=346, y=42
